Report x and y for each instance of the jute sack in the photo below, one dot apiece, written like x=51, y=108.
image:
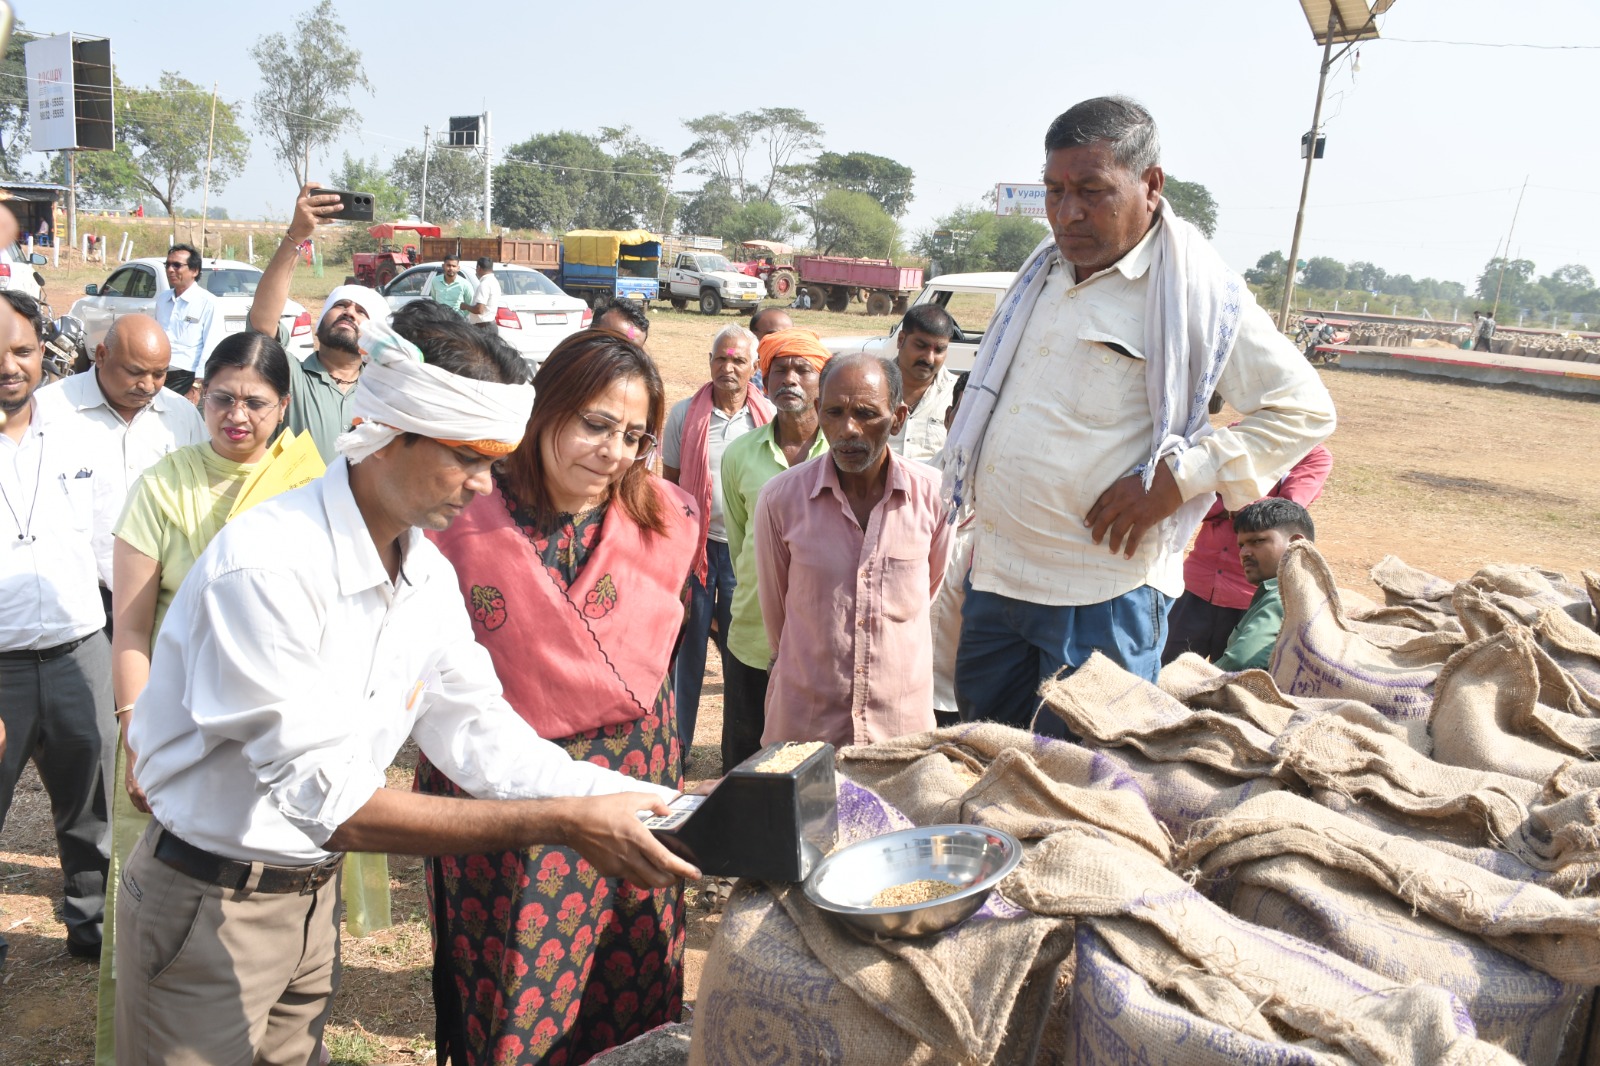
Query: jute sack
x=1503, y=703
x=786, y=983
x=1180, y=794
x=1555, y=934
x=1260, y=984
x=1254, y=695
x=1108, y=706
x=987, y=774
x=1525, y=591
x=1513, y=1005
x=1323, y=654
x=1404, y=585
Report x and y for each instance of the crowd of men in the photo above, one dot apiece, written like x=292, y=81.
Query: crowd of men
x=887, y=545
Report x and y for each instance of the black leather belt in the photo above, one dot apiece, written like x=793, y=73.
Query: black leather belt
x=44, y=655
x=232, y=873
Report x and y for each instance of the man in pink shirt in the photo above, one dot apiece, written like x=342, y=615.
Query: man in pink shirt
x=850, y=549
x=1215, y=591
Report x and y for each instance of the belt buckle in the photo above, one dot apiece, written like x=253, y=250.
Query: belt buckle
x=319, y=875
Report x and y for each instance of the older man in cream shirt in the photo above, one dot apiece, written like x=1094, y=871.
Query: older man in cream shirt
x=1083, y=443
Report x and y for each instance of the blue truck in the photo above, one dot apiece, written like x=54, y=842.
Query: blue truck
x=599, y=265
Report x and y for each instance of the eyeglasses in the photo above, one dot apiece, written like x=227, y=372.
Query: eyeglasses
x=254, y=406
x=177, y=264
x=596, y=429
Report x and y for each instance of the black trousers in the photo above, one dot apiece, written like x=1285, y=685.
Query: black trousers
x=59, y=714
x=1199, y=626
x=744, y=711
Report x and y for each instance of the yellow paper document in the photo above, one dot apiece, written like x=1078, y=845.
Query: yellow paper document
x=292, y=461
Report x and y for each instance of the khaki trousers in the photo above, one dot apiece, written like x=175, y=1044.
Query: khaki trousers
x=208, y=976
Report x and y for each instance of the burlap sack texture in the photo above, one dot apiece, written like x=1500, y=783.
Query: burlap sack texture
x=1323, y=654
x=1298, y=1002
x=786, y=983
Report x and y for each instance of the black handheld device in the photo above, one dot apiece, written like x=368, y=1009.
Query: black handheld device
x=353, y=206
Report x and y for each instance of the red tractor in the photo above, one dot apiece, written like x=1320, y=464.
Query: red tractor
x=770, y=261
x=377, y=269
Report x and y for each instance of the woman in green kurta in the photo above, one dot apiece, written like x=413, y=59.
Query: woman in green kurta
x=173, y=511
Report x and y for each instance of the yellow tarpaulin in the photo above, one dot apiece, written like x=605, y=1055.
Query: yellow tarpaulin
x=602, y=247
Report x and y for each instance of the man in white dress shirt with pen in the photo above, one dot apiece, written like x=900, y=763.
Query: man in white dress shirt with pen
x=313, y=636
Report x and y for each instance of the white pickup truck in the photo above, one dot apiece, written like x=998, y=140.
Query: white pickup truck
x=708, y=279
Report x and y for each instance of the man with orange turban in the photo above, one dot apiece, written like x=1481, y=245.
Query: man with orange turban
x=791, y=365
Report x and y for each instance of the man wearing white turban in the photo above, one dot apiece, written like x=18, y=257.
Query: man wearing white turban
x=320, y=386
x=314, y=635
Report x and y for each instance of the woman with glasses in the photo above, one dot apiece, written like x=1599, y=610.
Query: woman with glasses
x=575, y=571
x=173, y=511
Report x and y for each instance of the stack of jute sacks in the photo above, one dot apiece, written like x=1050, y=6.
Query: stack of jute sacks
x=1384, y=850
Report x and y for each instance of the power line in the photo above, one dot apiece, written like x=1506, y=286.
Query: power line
x=1496, y=44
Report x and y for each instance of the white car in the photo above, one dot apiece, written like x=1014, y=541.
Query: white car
x=971, y=299
x=132, y=287
x=534, y=314
x=17, y=271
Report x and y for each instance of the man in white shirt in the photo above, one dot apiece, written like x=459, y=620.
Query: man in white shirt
x=282, y=685
x=55, y=662
x=485, y=298
x=187, y=312
x=1083, y=442
x=921, y=345
x=120, y=411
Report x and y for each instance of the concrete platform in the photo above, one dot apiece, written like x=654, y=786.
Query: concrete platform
x=1551, y=375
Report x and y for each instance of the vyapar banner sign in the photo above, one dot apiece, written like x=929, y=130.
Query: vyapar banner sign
x=52, y=115
x=1012, y=199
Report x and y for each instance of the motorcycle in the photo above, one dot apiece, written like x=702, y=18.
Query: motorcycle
x=1315, y=332
x=66, y=347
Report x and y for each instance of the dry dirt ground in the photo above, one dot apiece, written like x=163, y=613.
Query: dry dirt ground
x=1447, y=476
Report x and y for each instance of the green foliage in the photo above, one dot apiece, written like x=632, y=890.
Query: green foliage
x=1324, y=273
x=973, y=238
x=761, y=220
x=569, y=180
x=879, y=177
x=853, y=223
x=1193, y=203
x=389, y=201
x=166, y=129
x=455, y=183
x=723, y=144
x=710, y=210
x=303, y=105
x=14, y=102
x=105, y=179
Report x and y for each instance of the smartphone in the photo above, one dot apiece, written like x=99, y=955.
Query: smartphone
x=353, y=206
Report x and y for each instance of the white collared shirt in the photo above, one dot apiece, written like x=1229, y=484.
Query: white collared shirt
x=1073, y=417
x=190, y=323
x=123, y=450
x=922, y=437
x=290, y=670
x=487, y=293
x=48, y=592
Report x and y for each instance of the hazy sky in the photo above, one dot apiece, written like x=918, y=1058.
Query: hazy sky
x=1428, y=144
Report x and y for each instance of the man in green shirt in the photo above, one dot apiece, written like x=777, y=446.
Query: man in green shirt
x=450, y=288
x=1265, y=530
x=791, y=364
x=321, y=384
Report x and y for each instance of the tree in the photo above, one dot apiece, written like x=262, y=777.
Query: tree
x=1366, y=276
x=304, y=104
x=787, y=132
x=455, y=182
x=105, y=179
x=720, y=150
x=760, y=220
x=1015, y=238
x=881, y=178
x=1324, y=273
x=14, y=102
x=1193, y=203
x=710, y=210
x=961, y=241
x=167, y=129
x=853, y=223
x=1518, y=274
x=389, y=201
x=1269, y=266
x=569, y=180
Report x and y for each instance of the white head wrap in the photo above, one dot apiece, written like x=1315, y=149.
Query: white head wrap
x=399, y=393
x=369, y=300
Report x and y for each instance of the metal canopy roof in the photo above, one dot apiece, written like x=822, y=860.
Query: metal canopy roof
x=1354, y=21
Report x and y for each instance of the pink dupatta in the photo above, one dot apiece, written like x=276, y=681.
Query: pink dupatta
x=694, y=477
x=587, y=656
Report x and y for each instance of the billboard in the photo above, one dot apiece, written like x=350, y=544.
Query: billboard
x=69, y=93
x=1019, y=200
x=51, y=113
